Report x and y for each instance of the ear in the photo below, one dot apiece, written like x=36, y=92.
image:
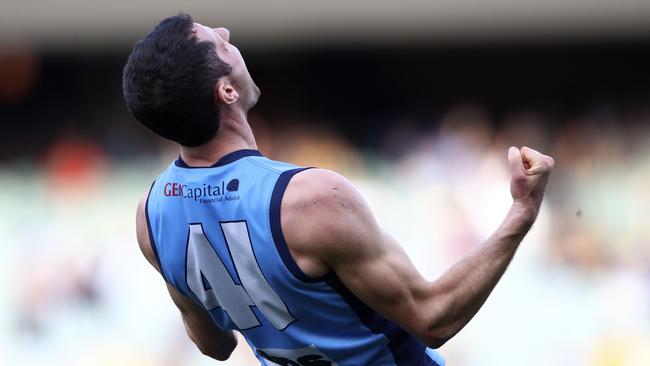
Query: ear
x=225, y=92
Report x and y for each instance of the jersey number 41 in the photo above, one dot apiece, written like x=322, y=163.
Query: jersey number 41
x=234, y=297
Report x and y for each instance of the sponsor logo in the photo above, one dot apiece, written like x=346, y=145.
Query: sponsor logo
x=206, y=193
x=233, y=185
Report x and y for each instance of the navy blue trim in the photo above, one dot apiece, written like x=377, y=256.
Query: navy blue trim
x=151, y=239
x=226, y=159
x=276, y=226
x=406, y=350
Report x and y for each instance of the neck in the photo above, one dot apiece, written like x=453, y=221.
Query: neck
x=234, y=134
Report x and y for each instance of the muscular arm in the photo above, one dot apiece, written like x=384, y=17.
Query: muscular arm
x=209, y=338
x=328, y=226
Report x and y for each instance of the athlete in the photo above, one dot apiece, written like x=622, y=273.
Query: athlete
x=292, y=258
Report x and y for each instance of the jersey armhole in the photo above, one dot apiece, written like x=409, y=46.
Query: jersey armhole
x=154, y=247
x=276, y=227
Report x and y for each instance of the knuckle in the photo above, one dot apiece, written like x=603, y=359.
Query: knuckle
x=550, y=162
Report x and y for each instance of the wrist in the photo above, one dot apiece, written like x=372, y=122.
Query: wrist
x=524, y=211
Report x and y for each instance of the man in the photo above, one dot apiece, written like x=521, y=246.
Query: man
x=292, y=258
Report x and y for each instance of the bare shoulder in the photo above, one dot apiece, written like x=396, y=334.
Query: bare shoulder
x=142, y=233
x=324, y=214
x=313, y=187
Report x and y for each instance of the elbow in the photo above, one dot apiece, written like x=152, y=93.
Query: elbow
x=436, y=337
x=441, y=325
x=220, y=351
x=435, y=341
x=219, y=356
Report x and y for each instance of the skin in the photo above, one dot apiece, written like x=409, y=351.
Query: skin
x=328, y=227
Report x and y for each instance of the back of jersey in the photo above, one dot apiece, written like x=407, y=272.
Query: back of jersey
x=217, y=236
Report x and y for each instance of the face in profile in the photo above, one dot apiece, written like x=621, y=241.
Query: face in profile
x=240, y=77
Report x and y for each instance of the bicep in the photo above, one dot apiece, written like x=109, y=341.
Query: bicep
x=331, y=220
x=382, y=275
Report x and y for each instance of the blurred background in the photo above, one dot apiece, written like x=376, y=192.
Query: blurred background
x=415, y=101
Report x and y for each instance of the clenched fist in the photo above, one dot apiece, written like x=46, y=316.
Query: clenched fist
x=530, y=170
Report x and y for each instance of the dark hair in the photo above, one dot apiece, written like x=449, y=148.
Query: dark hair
x=169, y=80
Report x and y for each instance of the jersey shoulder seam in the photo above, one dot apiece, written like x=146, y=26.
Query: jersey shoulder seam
x=271, y=169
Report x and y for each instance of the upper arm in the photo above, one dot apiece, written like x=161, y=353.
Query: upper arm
x=142, y=232
x=209, y=338
x=326, y=218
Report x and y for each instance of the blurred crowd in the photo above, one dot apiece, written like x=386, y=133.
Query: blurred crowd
x=78, y=292
x=73, y=165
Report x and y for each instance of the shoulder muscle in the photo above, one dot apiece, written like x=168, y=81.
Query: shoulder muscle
x=327, y=218
x=324, y=214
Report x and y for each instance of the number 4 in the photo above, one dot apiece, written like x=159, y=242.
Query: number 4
x=203, y=263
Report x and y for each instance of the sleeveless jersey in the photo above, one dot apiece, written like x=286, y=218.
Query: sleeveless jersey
x=218, y=240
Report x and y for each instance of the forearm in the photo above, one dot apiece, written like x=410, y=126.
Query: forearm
x=462, y=290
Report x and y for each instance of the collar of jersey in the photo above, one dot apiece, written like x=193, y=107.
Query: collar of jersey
x=226, y=159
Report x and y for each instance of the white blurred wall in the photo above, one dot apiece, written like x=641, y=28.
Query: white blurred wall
x=77, y=23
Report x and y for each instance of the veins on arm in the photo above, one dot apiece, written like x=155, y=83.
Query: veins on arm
x=329, y=227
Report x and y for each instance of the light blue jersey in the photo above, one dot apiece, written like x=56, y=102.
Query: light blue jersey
x=217, y=236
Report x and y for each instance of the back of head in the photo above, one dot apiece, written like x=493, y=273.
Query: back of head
x=169, y=83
